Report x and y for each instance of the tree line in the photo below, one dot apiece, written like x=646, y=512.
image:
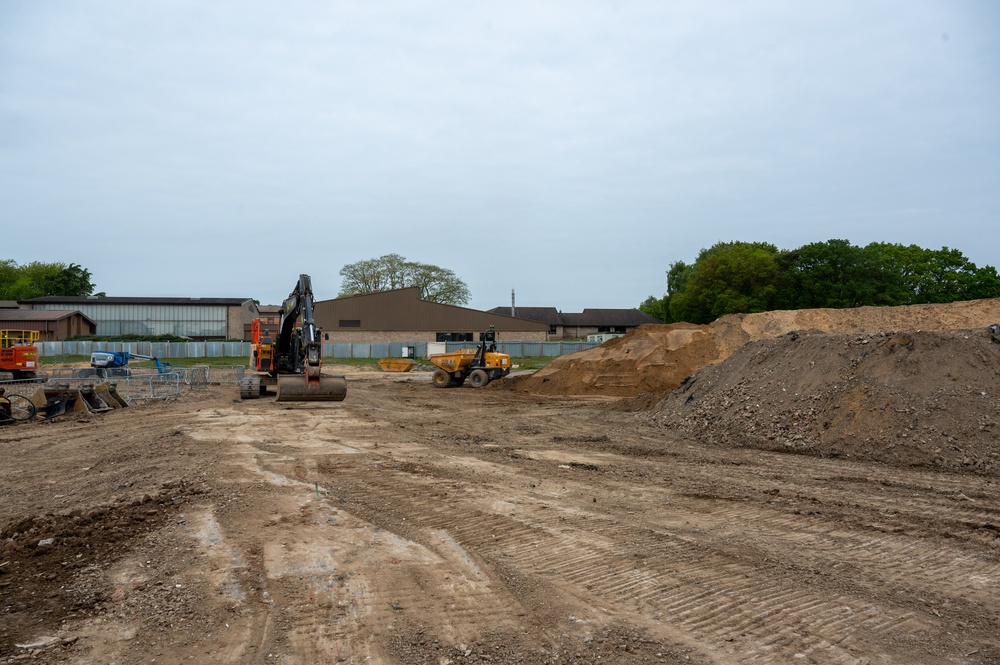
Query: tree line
x=391, y=271
x=746, y=277
x=37, y=279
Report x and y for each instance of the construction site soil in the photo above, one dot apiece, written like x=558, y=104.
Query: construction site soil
x=790, y=487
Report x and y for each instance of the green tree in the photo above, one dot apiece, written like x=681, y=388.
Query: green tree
x=392, y=271
x=38, y=279
x=834, y=273
x=677, y=277
x=654, y=307
x=728, y=278
x=752, y=277
x=985, y=283
x=8, y=279
x=437, y=284
x=914, y=275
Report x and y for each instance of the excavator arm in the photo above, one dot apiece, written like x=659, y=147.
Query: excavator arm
x=298, y=352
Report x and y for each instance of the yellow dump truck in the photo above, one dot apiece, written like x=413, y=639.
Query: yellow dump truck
x=480, y=365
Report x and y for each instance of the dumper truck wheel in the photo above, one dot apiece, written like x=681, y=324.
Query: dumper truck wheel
x=441, y=378
x=478, y=378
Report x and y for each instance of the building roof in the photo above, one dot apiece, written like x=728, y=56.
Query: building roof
x=588, y=317
x=402, y=309
x=549, y=315
x=91, y=300
x=40, y=315
x=8, y=304
x=612, y=317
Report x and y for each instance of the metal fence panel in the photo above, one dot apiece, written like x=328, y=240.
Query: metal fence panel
x=168, y=350
x=531, y=349
x=512, y=349
x=224, y=376
x=23, y=387
x=419, y=350
x=146, y=387
x=235, y=349
x=551, y=349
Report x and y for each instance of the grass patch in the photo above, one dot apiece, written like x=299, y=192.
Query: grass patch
x=534, y=362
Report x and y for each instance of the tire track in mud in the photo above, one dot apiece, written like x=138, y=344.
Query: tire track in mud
x=703, y=591
x=347, y=586
x=739, y=583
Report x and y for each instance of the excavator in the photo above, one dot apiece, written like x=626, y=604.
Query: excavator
x=292, y=360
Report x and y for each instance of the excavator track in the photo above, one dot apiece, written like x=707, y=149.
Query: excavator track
x=250, y=387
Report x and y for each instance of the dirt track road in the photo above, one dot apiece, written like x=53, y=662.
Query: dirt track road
x=415, y=525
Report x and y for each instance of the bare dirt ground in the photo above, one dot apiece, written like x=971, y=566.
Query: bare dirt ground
x=410, y=524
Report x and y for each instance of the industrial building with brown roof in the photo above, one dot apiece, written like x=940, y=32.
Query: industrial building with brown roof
x=194, y=318
x=401, y=316
x=579, y=325
x=53, y=325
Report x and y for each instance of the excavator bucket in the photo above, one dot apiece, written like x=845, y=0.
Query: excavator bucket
x=294, y=388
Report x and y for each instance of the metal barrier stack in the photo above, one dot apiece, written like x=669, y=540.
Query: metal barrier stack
x=133, y=385
x=145, y=387
x=23, y=387
x=226, y=375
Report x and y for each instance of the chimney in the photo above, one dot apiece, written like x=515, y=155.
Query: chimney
x=513, y=312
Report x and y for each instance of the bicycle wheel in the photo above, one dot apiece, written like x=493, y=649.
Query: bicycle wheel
x=20, y=407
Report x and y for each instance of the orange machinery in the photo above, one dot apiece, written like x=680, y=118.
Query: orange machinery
x=18, y=354
x=292, y=359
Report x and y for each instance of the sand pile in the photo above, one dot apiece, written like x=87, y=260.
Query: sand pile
x=655, y=359
x=648, y=359
x=929, y=398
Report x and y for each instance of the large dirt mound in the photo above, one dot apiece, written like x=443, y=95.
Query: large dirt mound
x=921, y=398
x=656, y=358
x=648, y=359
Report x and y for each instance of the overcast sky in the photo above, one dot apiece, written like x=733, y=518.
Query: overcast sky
x=571, y=150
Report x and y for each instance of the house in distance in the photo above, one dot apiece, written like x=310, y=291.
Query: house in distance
x=589, y=322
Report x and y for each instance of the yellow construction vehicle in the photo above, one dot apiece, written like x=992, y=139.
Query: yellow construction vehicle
x=480, y=365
